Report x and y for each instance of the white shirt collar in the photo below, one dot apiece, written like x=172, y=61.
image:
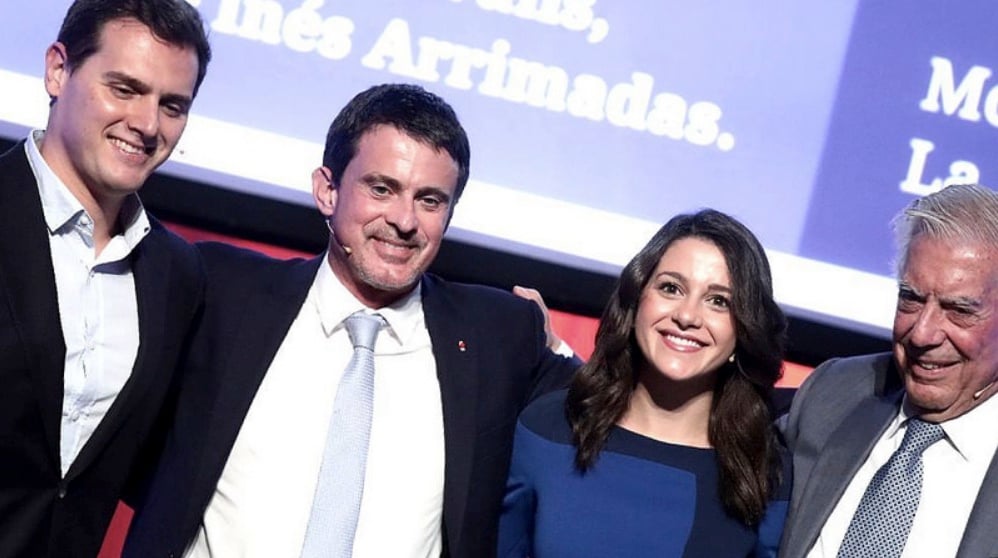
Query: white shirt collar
x=971, y=434
x=335, y=303
x=61, y=208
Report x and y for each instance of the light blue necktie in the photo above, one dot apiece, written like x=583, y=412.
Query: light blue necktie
x=338, y=494
x=883, y=519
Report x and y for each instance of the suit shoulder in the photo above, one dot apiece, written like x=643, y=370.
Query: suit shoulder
x=14, y=155
x=15, y=173
x=173, y=242
x=491, y=299
x=467, y=289
x=228, y=259
x=848, y=369
x=184, y=259
x=836, y=387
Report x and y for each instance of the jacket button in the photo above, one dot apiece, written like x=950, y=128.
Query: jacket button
x=62, y=492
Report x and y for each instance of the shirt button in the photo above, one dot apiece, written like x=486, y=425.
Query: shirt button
x=74, y=415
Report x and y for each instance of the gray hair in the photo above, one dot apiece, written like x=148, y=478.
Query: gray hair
x=966, y=212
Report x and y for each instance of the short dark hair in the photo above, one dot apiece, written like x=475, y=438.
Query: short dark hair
x=173, y=21
x=740, y=425
x=411, y=109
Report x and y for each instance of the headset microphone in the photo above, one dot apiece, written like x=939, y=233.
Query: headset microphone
x=346, y=249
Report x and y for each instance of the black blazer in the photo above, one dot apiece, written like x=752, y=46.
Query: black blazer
x=251, y=302
x=42, y=514
x=836, y=418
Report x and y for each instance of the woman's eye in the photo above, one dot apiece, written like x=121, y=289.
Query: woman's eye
x=720, y=301
x=669, y=288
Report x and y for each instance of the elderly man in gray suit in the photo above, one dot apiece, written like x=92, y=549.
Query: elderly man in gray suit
x=894, y=454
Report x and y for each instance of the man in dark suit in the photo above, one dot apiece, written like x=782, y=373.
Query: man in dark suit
x=95, y=296
x=454, y=364
x=850, y=420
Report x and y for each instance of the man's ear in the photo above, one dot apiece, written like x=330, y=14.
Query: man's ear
x=324, y=191
x=56, y=69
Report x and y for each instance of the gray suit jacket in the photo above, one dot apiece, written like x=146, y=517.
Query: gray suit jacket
x=835, y=420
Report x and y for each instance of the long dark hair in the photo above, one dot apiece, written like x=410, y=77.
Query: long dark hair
x=740, y=427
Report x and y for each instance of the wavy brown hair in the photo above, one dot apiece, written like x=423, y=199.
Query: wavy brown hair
x=740, y=427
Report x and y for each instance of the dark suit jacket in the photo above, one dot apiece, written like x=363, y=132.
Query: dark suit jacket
x=835, y=420
x=42, y=514
x=250, y=304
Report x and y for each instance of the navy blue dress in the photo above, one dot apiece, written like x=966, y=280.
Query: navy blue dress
x=641, y=498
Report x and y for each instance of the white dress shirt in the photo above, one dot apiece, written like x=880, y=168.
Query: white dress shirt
x=97, y=307
x=953, y=470
x=262, y=503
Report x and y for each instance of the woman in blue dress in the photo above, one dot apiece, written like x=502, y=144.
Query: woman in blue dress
x=663, y=445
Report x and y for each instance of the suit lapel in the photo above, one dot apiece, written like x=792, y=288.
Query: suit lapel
x=457, y=372
x=27, y=288
x=266, y=317
x=846, y=450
